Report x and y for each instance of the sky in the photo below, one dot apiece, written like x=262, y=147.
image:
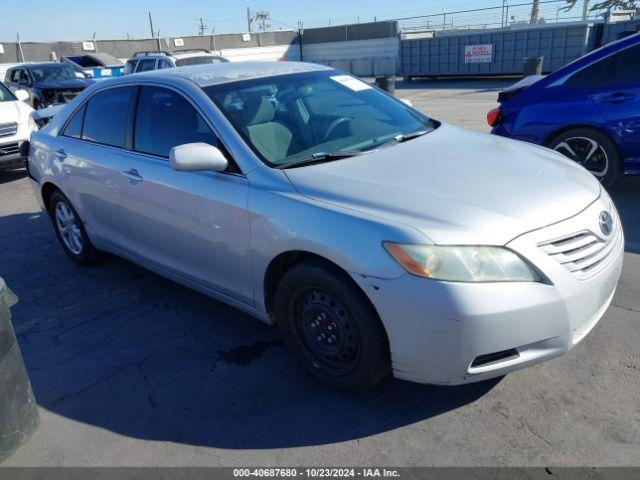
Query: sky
x=49, y=20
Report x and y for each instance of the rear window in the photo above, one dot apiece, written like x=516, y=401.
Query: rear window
x=74, y=127
x=147, y=65
x=105, y=119
x=620, y=68
x=184, y=62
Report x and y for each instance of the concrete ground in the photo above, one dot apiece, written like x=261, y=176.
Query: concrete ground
x=131, y=369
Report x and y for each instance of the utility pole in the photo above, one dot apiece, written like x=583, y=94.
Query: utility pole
x=22, y=59
x=202, y=28
x=262, y=16
x=535, y=12
x=153, y=35
x=585, y=9
x=249, y=19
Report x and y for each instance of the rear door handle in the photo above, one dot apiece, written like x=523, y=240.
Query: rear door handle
x=618, y=97
x=133, y=175
x=61, y=154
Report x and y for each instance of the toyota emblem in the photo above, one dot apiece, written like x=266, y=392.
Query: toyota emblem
x=606, y=223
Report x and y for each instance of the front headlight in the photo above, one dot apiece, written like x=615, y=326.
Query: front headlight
x=463, y=263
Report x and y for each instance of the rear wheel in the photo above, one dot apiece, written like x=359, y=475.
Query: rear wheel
x=593, y=150
x=331, y=327
x=70, y=230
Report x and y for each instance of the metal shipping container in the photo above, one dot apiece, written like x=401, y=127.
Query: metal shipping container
x=495, y=52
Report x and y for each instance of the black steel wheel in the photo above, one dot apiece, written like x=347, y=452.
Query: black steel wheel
x=329, y=333
x=331, y=327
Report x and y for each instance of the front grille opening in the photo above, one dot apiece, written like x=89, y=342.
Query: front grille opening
x=496, y=357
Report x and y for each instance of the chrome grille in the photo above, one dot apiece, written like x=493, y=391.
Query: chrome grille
x=583, y=253
x=8, y=129
x=9, y=149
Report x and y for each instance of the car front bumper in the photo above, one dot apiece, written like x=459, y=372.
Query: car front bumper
x=454, y=333
x=11, y=155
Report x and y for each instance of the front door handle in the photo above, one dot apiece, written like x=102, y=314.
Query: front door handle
x=133, y=175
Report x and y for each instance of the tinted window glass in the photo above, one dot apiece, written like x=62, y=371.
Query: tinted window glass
x=625, y=67
x=146, y=65
x=184, y=62
x=105, y=119
x=162, y=64
x=166, y=119
x=74, y=127
x=622, y=67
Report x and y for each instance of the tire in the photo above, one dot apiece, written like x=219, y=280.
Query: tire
x=315, y=302
x=593, y=150
x=70, y=231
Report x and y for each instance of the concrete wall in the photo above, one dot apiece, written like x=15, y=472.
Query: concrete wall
x=361, y=57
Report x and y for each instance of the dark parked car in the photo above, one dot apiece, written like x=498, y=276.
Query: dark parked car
x=47, y=83
x=588, y=110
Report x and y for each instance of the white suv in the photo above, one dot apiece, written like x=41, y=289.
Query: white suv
x=147, y=61
x=16, y=125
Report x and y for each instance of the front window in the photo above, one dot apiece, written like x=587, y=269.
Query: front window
x=5, y=94
x=293, y=118
x=49, y=73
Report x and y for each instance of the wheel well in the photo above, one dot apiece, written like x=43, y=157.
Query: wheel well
x=47, y=191
x=551, y=136
x=285, y=262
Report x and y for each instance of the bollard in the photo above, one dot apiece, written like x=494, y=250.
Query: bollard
x=532, y=66
x=18, y=408
x=387, y=83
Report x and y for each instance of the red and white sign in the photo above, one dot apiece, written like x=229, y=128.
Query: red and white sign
x=478, y=53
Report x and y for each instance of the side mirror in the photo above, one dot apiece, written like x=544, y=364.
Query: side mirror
x=406, y=101
x=22, y=95
x=197, y=157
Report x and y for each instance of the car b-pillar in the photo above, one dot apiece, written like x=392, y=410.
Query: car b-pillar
x=18, y=408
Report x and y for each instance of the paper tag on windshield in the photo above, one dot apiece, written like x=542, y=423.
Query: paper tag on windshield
x=351, y=82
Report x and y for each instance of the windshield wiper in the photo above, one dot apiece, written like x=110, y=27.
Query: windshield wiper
x=401, y=138
x=409, y=136
x=321, y=157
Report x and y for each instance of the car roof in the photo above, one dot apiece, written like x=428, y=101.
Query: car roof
x=214, y=74
x=38, y=65
x=192, y=53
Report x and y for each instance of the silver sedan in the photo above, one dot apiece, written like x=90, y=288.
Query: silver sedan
x=378, y=240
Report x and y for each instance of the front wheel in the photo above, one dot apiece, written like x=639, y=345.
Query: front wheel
x=70, y=230
x=331, y=327
x=593, y=150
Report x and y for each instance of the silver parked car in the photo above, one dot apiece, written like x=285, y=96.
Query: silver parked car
x=377, y=239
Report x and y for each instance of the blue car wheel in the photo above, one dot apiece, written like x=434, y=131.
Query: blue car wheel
x=592, y=149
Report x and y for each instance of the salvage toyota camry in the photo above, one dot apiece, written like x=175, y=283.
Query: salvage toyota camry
x=377, y=239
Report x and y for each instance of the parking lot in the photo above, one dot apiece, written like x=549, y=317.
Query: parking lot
x=132, y=369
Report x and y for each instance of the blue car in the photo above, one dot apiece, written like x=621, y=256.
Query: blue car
x=588, y=110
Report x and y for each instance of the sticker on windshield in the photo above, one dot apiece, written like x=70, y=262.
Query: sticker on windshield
x=351, y=82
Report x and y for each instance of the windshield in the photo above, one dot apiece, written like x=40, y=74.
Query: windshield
x=184, y=62
x=290, y=118
x=48, y=73
x=5, y=94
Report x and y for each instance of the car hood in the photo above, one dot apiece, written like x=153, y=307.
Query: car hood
x=63, y=84
x=14, y=111
x=455, y=186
